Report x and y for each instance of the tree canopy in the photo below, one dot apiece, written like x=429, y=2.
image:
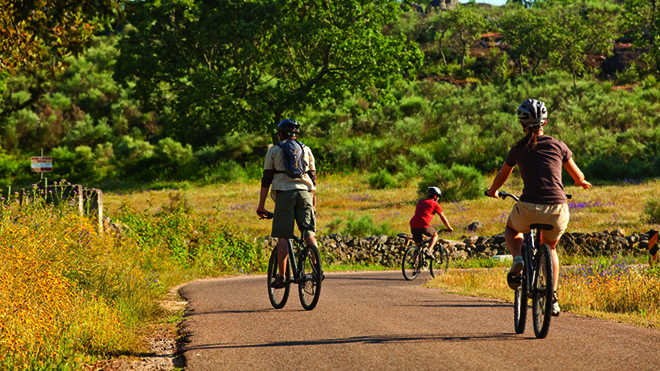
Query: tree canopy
x=244, y=65
x=36, y=34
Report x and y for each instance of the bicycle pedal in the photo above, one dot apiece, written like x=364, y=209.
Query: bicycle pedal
x=514, y=280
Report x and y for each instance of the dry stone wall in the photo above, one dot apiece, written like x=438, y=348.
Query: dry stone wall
x=387, y=250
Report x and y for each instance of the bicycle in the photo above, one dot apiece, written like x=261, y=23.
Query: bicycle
x=307, y=273
x=535, y=281
x=415, y=259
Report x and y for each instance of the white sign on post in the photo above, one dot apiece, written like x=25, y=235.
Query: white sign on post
x=42, y=164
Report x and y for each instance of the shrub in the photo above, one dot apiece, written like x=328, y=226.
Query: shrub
x=382, y=180
x=457, y=183
x=365, y=226
x=652, y=209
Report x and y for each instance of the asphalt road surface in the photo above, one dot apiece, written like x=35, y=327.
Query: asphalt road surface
x=379, y=321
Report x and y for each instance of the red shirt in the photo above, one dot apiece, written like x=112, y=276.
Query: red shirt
x=424, y=212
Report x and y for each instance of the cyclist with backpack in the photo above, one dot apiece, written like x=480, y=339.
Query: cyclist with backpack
x=290, y=174
x=540, y=159
x=420, y=223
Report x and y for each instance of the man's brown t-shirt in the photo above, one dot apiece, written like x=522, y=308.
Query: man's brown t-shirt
x=540, y=169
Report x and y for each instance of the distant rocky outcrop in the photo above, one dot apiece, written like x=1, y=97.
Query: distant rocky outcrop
x=438, y=5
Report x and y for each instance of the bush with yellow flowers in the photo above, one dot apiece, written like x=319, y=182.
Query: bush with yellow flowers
x=68, y=293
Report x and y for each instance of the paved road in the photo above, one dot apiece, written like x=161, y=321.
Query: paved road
x=377, y=320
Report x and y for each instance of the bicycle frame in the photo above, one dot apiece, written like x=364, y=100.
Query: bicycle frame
x=296, y=264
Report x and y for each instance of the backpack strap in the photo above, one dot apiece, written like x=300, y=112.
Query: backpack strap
x=281, y=145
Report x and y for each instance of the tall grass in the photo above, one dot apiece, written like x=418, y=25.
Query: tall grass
x=67, y=293
x=603, y=207
x=610, y=287
x=70, y=295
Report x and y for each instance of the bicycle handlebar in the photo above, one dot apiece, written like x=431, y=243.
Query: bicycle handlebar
x=504, y=194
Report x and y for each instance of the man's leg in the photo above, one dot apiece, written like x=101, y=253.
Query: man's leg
x=283, y=227
x=310, y=240
x=282, y=255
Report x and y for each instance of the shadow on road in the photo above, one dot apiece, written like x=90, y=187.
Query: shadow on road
x=192, y=313
x=351, y=278
x=444, y=304
x=390, y=339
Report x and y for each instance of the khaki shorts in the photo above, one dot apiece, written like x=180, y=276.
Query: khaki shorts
x=524, y=214
x=290, y=206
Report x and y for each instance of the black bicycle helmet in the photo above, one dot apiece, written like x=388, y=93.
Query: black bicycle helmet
x=289, y=127
x=532, y=113
x=434, y=191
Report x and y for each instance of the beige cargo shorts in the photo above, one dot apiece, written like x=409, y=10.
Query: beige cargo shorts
x=525, y=214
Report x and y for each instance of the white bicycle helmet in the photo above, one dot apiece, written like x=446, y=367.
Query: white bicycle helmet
x=434, y=191
x=532, y=113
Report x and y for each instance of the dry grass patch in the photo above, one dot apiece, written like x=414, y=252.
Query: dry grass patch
x=595, y=210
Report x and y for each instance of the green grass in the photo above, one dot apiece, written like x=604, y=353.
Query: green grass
x=604, y=207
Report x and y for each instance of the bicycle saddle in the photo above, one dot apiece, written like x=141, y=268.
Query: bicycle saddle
x=545, y=227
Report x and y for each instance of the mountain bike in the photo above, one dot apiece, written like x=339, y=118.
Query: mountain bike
x=415, y=259
x=535, y=281
x=303, y=268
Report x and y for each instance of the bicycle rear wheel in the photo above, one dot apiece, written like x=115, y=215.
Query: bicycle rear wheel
x=277, y=296
x=520, y=309
x=411, y=263
x=309, y=286
x=521, y=296
x=542, y=291
x=441, y=262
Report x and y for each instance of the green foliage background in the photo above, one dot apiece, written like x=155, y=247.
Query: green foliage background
x=105, y=126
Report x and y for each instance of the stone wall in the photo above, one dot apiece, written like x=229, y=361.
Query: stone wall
x=387, y=251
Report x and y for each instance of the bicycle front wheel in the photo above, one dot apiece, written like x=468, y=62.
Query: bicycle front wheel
x=411, y=263
x=309, y=286
x=542, y=291
x=277, y=296
x=441, y=262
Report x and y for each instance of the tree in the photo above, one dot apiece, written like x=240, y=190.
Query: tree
x=240, y=65
x=559, y=34
x=36, y=34
x=641, y=20
x=579, y=29
x=467, y=24
x=520, y=29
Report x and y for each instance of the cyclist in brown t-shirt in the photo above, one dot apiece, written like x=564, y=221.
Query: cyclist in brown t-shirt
x=540, y=159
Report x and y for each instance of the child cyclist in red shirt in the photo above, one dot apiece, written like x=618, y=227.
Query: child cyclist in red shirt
x=420, y=223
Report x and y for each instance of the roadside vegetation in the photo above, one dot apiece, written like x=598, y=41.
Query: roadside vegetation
x=100, y=290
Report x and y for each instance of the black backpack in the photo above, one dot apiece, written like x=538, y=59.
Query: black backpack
x=294, y=158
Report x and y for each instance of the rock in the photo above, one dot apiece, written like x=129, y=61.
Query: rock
x=471, y=240
x=618, y=233
x=475, y=226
